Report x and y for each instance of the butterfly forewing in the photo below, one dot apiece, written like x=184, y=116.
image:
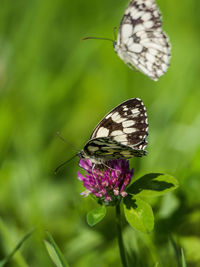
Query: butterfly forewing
x=126, y=124
x=121, y=133
x=141, y=43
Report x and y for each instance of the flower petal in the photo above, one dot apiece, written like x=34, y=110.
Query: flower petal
x=106, y=182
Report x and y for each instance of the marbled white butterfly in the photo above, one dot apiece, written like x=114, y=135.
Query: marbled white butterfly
x=141, y=43
x=120, y=134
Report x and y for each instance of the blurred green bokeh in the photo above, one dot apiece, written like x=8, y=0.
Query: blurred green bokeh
x=52, y=81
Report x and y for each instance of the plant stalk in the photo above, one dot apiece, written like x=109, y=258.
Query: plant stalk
x=120, y=238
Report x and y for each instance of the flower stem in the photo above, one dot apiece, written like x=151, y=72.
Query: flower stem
x=120, y=238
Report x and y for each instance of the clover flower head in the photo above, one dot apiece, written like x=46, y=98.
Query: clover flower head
x=108, y=182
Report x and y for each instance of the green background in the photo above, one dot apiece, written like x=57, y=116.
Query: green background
x=52, y=81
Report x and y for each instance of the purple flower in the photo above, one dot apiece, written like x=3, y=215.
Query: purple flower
x=107, y=182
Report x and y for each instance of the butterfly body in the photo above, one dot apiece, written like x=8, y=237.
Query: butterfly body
x=120, y=134
x=141, y=43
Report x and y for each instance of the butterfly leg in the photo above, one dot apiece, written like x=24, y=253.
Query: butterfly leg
x=110, y=167
x=131, y=67
x=115, y=33
x=93, y=166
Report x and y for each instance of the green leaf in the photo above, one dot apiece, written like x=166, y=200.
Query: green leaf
x=54, y=252
x=183, y=259
x=96, y=215
x=139, y=214
x=5, y=260
x=153, y=184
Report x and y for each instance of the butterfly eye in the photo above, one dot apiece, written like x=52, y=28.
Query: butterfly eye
x=114, y=44
x=81, y=154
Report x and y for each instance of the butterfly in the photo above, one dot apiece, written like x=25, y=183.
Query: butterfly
x=120, y=134
x=141, y=43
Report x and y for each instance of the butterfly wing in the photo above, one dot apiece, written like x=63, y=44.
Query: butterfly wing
x=141, y=43
x=126, y=124
x=105, y=148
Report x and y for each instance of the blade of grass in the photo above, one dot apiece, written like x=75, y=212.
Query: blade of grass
x=183, y=258
x=176, y=250
x=54, y=252
x=6, y=259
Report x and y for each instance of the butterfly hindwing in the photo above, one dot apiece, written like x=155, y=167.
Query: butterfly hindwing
x=105, y=148
x=141, y=43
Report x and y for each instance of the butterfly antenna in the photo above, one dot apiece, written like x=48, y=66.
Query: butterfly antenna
x=58, y=134
x=61, y=165
x=98, y=38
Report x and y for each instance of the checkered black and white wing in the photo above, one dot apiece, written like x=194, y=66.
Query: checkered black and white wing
x=120, y=134
x=141, y=42
x=126, y=124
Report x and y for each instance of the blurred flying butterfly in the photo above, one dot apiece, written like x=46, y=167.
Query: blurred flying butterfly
x=141, y=43
x=120, y=134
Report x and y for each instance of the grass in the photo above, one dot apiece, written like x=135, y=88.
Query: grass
x=52, y=81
